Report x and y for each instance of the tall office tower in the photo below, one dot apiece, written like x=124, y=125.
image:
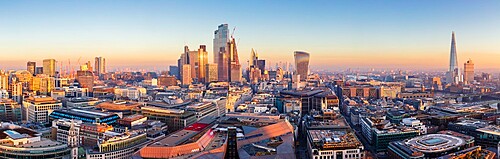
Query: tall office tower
x=234, y=62
x=193, y=61
x=453, y=75
x=468, y=72
x=231, y=151
x=186, y=74
x=49, y=67
x=86, y=79
x=100, y=66
x=174, y=71
x=31, y=66
x=202, y=61
x=301, y=64
x=253, y=58
x=222, y=65
x=182, y=61
x=221, y=37
x=211, y=73
x=179, y=67
x=261, y=64
x=4, y=81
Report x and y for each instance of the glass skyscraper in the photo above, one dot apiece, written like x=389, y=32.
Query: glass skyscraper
x=221, y=37
x=301, y=64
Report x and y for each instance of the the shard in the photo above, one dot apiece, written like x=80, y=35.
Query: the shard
x=453, y=75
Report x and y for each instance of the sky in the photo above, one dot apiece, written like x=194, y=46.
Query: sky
x=337, y=34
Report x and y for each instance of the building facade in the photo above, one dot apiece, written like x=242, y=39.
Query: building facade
x=468, y=72
x=49, y=67
x=301, y=64
x=36, y=108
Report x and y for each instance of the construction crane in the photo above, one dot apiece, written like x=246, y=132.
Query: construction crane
x=234, y=29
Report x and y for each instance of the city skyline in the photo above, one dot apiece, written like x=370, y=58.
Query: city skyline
x=249, y=79
x=339, y=35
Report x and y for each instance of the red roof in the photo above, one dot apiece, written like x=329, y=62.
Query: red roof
x=196, y=127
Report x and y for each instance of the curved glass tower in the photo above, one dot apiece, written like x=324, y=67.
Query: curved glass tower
x=301, y=64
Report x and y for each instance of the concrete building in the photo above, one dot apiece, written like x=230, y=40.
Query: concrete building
x=415, y=123
x=86, y=79
x=31, y=67
x=186, y=74
x=37, y=108
x=175, y=118
x=10, y=110
x=130, y=92
x=118, y=145
x=100, y=66
x=468, y=72
x=4, y=81
x=211, y=73
x=166, y=81
x=43, y=84
x=16, y=91
x=49, y=67
x=20, y=142
x=318, y=99
x=380, y=132
x=332, y=144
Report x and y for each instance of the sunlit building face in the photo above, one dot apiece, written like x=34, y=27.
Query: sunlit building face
x=301, y=64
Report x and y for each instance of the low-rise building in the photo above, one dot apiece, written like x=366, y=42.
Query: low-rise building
x=379, y=132
x=89, y=116
x=10, y=110
x=175, y=118
x=333, y=144
x=430, y=146
x=37, y=108
x=118, y=145
x=19, y=142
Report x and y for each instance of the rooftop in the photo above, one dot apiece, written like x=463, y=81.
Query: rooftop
x=41, y=100
x=435, y=143
x=118, y=105
x=328, y=139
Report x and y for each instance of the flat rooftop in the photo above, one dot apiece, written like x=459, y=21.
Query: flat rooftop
x=85, y=113
x=118, y=106
x=329, y=139
x=473, y=123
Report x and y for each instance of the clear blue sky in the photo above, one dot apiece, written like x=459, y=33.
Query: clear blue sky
x=338, y=34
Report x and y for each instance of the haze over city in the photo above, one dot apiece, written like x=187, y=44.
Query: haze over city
x=338, y=34
x=193, y=79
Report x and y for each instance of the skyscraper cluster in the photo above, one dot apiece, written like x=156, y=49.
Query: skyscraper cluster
x=193, y=65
